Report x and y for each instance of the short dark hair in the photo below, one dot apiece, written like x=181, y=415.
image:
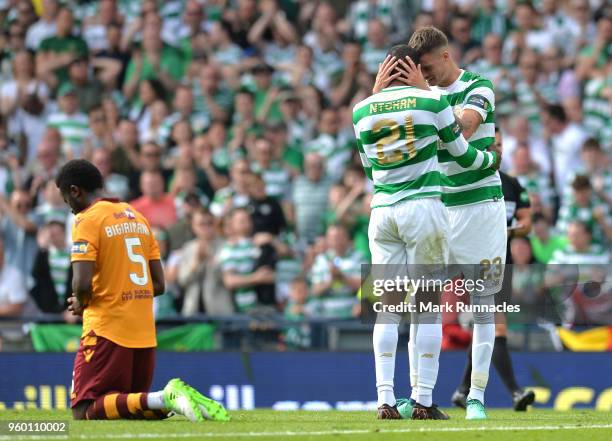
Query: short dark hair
x=401, y=51
x=427, y=39
x=587, y=228
x=80, y=173
x=557, y=112
x=591, y=144
x=539, y=217
x=581, y=182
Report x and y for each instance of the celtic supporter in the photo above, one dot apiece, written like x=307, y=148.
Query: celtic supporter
x=399, y=131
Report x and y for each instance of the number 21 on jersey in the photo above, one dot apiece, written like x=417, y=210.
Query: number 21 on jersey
x=397, y=154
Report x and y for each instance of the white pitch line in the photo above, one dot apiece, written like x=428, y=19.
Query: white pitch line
x=290, y=433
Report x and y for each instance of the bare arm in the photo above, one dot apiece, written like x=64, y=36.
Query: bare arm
x=259, y=27
x=523, y=217
x=109, y=70
x=318, y=289
x=469, y=122
x=131, y=85
x=157, y=276
x=11, y=310
x=261, y=276
x=82, y=276
x=19, y=219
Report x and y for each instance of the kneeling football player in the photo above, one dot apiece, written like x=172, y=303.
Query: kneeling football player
x=117, y=272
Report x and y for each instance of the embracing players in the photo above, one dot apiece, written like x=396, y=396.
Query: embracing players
x=398, y=130
x=117, y=272
x=474, y=199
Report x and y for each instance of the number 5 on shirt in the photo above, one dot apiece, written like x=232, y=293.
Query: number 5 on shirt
x=130, y=244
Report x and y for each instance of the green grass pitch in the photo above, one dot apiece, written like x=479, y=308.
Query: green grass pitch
x=502, y=425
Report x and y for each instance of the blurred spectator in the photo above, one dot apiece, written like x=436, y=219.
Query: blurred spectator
x=153, y=60
x=527, y=35
x=88, y=90
x=502, y=75
x=242, y=20
x=581, y=276
x=537, y=184
x=521, y=133
x=45, y=27
x=324, y=40
x=376, y=47
x=47, y=164
x=243, y=271
x=596, y=166
x=580, y=249
x=100, y=136
x=183, y=103
x=300, y=307
x=392, y=14
x=265, y=94
x=583, y=207
x=273, y=34
x=211, y=98
x=489, y=19
x=331, y=144
x=529, y=99
x=336, y=275
x=154, y=204
x=112, y=60
x=181, y=232
x=13, y=294
x=594, y=42
x=150, y=91
x=115, y=184
x=544, y=242
x=71, y=123
x=558, y=84
x=310, y=198
x=565, y=139
x=95, y=27
x=51, y=205
x=19, y=226
x=460, y=35
x=164, y=305
x=124, y=151
x=149, y=159
x=345, y=85
x=57, y=52
x=22, y=102
x=276, y=177
x=199, y=271
x=52, y=273
x=184, y=33
x=224, y=50
x=266, y=212
x=236, y=195
x=10, y=170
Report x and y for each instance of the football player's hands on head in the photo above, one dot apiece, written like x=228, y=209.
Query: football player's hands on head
x=74, y=305
x=383, y=76
x=412, y=74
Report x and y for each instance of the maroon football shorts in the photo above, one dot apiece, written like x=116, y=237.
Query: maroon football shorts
x=102, y=367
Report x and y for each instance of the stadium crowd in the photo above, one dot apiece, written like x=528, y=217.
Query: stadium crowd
x=227, y=123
